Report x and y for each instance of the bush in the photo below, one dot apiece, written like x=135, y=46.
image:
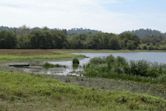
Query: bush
x=110, y=66
x=76, y=61
x=48, y=65
x=139, y=68
x=97, y=60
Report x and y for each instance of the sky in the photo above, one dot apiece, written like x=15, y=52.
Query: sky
x=113, y=16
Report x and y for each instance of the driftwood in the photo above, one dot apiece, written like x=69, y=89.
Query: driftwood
x=19, y=65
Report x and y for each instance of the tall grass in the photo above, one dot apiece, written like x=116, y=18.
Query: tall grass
x=119, y=67
x=48, y=65
x=24, y=92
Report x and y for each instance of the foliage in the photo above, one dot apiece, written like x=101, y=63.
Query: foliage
x=48, y=65
x=76, y=61
x=110, y=66
x=35, y=55
x=7, y=40
x=45, y=38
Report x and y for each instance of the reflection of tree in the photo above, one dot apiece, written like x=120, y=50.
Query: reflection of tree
x=75, y=67
x=76, y=63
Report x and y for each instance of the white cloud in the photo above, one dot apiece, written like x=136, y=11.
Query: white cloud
x=66, y=14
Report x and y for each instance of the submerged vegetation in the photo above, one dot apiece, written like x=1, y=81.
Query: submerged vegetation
x=75, y=63
x=111, y=67
x=41, y=93
x=48, y=65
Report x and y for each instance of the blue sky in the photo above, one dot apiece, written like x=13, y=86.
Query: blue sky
x=138, y=6
x=106, y=15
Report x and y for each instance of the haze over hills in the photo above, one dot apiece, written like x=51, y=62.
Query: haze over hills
x=148, y=33
x=141, y=33
x=81, y=31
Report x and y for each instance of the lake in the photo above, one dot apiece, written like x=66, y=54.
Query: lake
x=159, y=57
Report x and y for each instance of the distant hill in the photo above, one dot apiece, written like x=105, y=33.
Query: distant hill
x=81, y=31
x=4, y=28
x=142, y=33
x=70, y=32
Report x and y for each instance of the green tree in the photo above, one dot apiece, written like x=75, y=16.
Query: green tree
x=114, y=43
x=7, y=40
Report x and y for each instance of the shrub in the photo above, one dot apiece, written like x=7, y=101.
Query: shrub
x=76, y=61
x=110, y=60
x=139, y=68
x=110, y=67
x=48, y=65
x=97, y=60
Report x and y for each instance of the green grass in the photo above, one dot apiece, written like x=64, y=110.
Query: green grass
x=158, y=90
x=35, y=55
x=25, y=92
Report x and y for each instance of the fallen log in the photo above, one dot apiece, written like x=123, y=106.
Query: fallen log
x=19, y=65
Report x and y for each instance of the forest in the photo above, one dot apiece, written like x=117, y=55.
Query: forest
x=46, y=38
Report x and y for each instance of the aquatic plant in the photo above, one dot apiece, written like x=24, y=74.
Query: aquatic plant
x=76, y=61
x=48, y=65
x=119, y=67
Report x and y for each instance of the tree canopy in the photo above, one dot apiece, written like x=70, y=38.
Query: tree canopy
x=45, y=38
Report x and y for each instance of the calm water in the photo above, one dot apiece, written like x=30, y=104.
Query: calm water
x=159, y=57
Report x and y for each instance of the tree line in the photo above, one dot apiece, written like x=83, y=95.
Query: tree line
x=45, y=38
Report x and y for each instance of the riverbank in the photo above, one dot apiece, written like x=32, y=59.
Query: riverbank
x=53, y=54
x=49, y=51
x=35, y=55
x=21, y=91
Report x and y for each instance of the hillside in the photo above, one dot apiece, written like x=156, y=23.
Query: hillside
x=81, y=31
x=142, y=33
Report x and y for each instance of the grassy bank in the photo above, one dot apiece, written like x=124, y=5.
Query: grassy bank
x=35, y=55
x=24, y=92
x=49, y=54
x=49, y=51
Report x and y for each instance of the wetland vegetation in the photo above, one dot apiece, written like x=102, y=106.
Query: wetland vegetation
x=105, y=86
x=35, y=55
x=120, y=68
x=20, y=91
x=104, y=83
x=115, y=66
x=48, y=65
